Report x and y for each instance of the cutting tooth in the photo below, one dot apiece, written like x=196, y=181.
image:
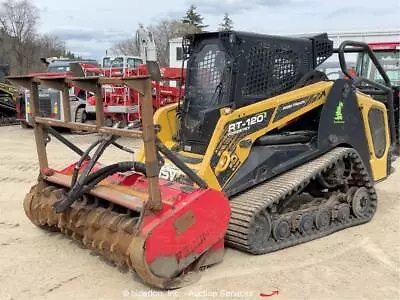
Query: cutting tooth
x=129, y=225
x=86, y=240
x=103, y=230
x=48, y=190
x=114, y=222
x=76, y=237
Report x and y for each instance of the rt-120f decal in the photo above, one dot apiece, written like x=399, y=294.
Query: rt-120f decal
x=233, y=132
x=249, y=123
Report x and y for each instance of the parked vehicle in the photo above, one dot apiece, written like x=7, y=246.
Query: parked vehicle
x=50, y=99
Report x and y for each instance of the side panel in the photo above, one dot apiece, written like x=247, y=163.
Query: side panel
x=165, y=118
x=342, y=122
x=377, y=129
x=236, y=131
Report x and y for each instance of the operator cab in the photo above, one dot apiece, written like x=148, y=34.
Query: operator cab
x=236, y=69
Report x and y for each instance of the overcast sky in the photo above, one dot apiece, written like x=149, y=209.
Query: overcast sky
x=91, y=26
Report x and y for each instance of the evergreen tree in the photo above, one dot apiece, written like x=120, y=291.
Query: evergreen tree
x=227, y=23
x=194, y=18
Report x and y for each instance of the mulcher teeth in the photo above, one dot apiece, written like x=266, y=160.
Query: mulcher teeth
x=113, y=233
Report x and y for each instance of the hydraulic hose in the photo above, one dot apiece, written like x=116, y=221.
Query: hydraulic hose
x=114, y=168
x=103, y=173
x=93, y=179
x=81, y=160
x=66, y=200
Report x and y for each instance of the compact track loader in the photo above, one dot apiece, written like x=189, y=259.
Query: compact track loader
x=296, y=154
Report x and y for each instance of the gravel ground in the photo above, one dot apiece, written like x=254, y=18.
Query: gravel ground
x=358, y=263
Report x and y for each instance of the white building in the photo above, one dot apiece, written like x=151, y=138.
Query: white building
x=175, y=45
x=175, y=53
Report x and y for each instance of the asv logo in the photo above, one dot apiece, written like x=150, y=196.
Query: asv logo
x=170, y=173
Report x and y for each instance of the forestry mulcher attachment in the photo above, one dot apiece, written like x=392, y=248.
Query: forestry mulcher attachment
x=296, y=154
x=165, y=232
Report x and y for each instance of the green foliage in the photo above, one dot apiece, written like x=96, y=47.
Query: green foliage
x=194, y=18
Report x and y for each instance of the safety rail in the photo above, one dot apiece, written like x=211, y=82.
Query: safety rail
x=141, y=84
x=380, y=89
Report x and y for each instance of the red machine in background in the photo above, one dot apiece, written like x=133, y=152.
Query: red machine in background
x=122, y=103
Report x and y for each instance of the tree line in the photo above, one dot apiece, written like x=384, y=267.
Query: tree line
x=21, y=45
x=167, y=29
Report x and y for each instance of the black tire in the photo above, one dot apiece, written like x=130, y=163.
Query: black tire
x=80, y=115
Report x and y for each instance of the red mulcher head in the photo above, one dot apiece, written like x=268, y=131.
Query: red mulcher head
x=166, y=247
x=165, y=232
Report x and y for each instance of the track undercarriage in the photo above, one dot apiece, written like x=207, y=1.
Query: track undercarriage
x=326, y=195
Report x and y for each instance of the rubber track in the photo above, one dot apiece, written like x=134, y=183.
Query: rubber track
x=248, y=205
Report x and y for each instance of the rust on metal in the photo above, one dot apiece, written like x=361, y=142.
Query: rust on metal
x=184, y=222
x=93, y=84
x=121, y=132
x=138, y=85
x=149, y=142
x=38, y=129
x=70, y=125
x=123, y=198
x=31, y=83
x=23, y=80
x=109, y=233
